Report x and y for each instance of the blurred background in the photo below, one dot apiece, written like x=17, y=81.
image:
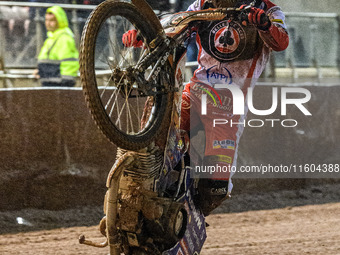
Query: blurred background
x=313, y=53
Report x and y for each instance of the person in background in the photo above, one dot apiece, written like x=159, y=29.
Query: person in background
x=32, y=10
x=58, y=58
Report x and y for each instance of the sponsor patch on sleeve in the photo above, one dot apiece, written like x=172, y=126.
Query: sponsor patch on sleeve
x=224, y=144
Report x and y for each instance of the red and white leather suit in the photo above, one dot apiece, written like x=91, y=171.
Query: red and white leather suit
x=229, y=54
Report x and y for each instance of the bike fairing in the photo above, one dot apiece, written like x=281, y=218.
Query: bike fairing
x=230, y=54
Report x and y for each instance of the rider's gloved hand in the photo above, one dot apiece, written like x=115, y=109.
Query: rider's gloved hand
x=258, y=18
x=131, y=39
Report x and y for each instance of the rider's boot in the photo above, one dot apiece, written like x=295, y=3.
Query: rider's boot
x=211, y=194
x=214, y=189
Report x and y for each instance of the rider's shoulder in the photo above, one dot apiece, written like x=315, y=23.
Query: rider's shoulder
x=268, y=5
x=200, y=5
x=197, y=5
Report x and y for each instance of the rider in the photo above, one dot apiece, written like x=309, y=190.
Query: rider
x=230, y=53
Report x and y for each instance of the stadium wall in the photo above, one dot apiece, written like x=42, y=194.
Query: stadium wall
x=53, y=156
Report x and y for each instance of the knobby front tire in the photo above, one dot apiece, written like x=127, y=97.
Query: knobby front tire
x=113, y=97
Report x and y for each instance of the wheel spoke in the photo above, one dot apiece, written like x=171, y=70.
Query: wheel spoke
x=127, y=93
x=113, y=93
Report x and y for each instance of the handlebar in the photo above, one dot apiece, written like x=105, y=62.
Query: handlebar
x=240, y=14
x=213, y=14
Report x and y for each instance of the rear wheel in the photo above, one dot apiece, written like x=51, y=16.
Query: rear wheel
x=115, y=97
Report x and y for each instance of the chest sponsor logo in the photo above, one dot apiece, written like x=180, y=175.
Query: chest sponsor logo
x=214, y=76
x=227, y=40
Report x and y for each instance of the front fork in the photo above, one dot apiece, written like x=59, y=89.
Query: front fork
x=162, y=47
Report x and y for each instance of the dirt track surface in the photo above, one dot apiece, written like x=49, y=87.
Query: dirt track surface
x=313, y=229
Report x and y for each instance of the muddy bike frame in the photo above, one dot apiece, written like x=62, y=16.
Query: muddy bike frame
x=140, y=182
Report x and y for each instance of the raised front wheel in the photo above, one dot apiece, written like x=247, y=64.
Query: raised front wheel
x=116, y=98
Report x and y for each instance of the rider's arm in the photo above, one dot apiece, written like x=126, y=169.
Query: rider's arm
x=200, y=5
x=196, y=6
x=275, y=36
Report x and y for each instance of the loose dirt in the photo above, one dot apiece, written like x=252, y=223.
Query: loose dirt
x=296, y=229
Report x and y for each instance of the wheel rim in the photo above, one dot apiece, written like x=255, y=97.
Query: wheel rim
x=120, y=95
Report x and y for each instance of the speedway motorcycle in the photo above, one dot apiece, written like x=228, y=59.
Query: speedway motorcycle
x=134, y=96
